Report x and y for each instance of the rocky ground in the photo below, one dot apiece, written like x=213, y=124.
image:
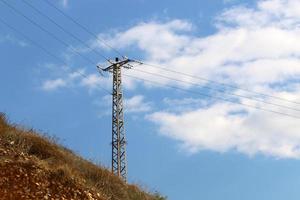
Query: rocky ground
x=36, y=166
x=22, y=178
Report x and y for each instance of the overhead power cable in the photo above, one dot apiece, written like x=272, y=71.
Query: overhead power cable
x=218, y=90
x=47, y=32
x=64, y=30
x=84, y=28
x=213, y=97
x=219, y=83
x=156, y=66
x=166, y=68
x=48, y=52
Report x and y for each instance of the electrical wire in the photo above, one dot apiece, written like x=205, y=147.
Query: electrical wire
x=48, y=32
x=64, y=30
x=147, y=64
x=48, y=52
x=218, y=90
x=213, y=97
x=84, y=28
x=166, y=68
x=218, y=83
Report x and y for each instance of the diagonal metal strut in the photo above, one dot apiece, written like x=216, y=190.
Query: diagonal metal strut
x=119, y=163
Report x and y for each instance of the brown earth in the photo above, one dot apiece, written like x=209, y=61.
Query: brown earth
x=36, y=167
x=22, y=178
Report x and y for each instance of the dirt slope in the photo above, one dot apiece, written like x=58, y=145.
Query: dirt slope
x=35, y=167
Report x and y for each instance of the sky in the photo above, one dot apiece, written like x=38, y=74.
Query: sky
x=235, y=136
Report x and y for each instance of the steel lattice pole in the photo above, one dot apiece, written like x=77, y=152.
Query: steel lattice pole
x=119, y=165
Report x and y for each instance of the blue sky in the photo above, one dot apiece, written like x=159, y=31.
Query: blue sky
x=181, y=144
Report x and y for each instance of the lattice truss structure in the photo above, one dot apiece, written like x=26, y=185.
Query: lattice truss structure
x=119, y=163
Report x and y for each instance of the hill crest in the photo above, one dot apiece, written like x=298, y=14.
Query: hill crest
x=33, y=166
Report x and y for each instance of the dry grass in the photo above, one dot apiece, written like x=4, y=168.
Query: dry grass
x=65, y=164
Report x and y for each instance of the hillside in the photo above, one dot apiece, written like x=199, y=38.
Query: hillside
x=36, y=167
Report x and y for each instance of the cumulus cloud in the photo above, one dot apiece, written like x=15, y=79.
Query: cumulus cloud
x=143, y=34
x=250, y=44
x=93, y=81
x=137, y=104
x=223, y=127
x=11, y=39
x=50, y=85
x=132, y=105
x=279, y=13
x=69, y=78
x=77, y=78
x=254, y=48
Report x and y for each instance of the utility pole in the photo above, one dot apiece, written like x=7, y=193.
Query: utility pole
x=118, y=162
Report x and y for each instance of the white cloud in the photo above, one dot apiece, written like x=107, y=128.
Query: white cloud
x=95, y=81
x=248, y=41
x=51, y=85
x=279, y=13
x=183, y=105
x=152, y=36
x=133, y=105
x=79, y=78
x=71, y=79
x=137, y=104
x=11, y=39
x=224, y=127
x=256, y=48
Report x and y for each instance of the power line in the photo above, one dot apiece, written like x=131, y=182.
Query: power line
x=156, y=66
x=119, y=166
x=218, y=90
x=119, y=163
x=47, y=51
x=213, y=97
x=219, y=83
x=64, y=30
x=166, y=68
x=48, y=32
x=84, y=28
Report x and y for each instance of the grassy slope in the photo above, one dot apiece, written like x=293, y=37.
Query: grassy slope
x=62, y=162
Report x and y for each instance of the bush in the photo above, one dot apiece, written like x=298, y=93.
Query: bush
x=64, y=164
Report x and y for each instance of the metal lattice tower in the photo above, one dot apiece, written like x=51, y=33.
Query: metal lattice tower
x=119, y=164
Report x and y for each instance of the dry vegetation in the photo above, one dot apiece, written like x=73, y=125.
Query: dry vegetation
x=36, y=167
